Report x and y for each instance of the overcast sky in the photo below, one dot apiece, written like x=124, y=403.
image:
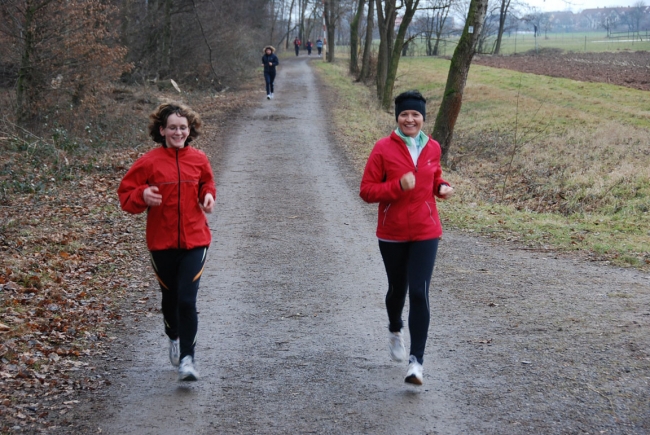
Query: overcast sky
x=578, y=5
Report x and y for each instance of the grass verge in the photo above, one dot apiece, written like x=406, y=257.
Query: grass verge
x=549, y=163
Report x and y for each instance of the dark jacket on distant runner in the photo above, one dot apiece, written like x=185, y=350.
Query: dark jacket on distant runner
x=270, y=58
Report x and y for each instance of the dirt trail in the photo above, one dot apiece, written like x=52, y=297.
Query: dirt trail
x=292, y=328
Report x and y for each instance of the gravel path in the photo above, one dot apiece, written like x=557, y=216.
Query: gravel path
x=292, y=328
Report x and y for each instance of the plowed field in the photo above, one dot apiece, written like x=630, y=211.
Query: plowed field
x=630, y=69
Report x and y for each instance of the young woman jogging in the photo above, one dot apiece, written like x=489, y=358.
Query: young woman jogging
x=174, y=184
x=404, y=176
x=270, y=61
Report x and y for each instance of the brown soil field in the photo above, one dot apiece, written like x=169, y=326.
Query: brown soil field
x=629, y=68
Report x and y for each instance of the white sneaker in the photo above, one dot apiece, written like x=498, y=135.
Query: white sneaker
x=271, y=95
x=396, y=346
x=187, y=372
x=175, y=352
x=268, y=97
x=414, y=373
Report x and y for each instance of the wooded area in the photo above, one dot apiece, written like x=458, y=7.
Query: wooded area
x=59, y=59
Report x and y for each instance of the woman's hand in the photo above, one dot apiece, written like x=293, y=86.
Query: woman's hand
x=445, y=191
x=407, y=181
x=151, y=198
x=208, y=203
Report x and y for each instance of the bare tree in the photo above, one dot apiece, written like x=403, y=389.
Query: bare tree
x=66, y=53
x=289, y=14
x=432, y=22
x=354, y=38
x=634, y=16
x=489, y=28
x=452, y=100
x=503, y=14
x=609, y=21
x=391, y=44
x=367, y=46
x=332, y=13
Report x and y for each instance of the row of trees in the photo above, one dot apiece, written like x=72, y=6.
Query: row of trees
x=62, y=56
x=393, y=20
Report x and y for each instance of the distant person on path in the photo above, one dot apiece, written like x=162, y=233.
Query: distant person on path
x=174, y=184
x=319, y=46
x=403, y=174
x=296, y=45
x=308, y=46
x=270, y=61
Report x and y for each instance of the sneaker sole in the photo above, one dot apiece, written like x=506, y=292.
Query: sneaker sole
x=413, y=380
x=188, y=377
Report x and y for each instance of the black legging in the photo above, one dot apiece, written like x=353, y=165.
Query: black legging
x=179, y=271
x=409, y=266
x=269, y=78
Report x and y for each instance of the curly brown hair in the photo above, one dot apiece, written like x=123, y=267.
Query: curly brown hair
x=159, y=119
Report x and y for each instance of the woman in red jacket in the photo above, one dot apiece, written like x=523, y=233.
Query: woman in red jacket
x=175, y=185
x=404, y=176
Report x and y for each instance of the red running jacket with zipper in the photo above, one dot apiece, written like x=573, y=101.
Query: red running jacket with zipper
x=403, y=216
x=183, y=177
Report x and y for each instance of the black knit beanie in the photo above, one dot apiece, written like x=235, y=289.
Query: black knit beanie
x=411, y=100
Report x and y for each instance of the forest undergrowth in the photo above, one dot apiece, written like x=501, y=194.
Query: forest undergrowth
x=72, y=264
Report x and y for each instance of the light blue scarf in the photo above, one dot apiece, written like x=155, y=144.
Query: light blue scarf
x=414, y=144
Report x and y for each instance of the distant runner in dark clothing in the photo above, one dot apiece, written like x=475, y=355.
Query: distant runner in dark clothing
x=270, y=61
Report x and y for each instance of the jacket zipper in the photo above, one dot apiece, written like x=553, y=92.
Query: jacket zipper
x=385, y=214
x=178, y=166
x=430, y=213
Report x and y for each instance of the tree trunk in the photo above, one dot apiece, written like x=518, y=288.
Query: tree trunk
x=167, y=38
x=367, y=47
x=386, y=22
x=331, y=15
x=24, y=82
x=354, y=38
x=505, y=4
x=391, y=73
x=286, y=43
x=439, y=26
x=301, y=32
x=436, y=47
x=443, y=129
x=274, y=19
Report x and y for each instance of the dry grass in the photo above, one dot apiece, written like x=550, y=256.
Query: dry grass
x=548, y=162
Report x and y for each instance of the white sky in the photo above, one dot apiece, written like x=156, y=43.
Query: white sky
x=578, y=5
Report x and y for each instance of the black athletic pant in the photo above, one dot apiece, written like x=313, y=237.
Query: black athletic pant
x=269, y=77
x=409, y=266
x=179, y=272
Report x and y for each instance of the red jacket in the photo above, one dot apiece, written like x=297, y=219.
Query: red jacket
x=403, y=216
x=183, y=177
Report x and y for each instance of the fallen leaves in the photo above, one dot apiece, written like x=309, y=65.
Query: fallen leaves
x=60, y=291
x=71, y=265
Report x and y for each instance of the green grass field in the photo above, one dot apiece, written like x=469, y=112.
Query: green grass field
x=550, y=163
x=579, y=42
x=525, y=42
